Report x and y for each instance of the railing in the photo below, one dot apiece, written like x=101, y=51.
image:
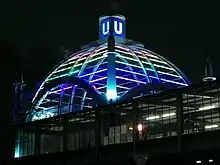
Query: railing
x=172, y=113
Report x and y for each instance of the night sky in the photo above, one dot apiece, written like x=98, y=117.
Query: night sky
x=184, y=33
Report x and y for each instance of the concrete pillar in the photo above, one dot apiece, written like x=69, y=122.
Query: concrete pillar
x=179, y=112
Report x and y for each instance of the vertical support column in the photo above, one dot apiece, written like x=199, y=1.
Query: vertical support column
x=60, y=101
x=71, y=98
x=97, y=134
x=111, y=77
x=111, y=92
x=65, y=134
x=37, y=140
x=179, y=111
x=134, y=123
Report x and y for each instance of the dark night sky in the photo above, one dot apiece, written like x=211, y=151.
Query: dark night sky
x=184, y=33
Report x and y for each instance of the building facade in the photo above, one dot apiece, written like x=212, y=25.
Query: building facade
x=110, y=70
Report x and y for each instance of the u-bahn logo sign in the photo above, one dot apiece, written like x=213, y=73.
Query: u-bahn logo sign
x=118, y=26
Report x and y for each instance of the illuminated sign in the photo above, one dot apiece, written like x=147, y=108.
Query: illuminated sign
x=118, y=26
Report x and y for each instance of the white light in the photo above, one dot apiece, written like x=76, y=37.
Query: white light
x=16, y=154
x=152, y=117
x=198, y=161
x=168, y=114
x=43, y=116
x=211, y=126
x=140, y=127
x=207, y=107
x=210, y=160
x=111, y=94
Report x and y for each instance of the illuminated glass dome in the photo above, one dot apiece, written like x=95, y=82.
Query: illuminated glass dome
x=104, y=70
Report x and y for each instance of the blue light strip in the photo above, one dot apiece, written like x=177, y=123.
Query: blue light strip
x=123, y=78
x=130, y=72
x=99, y=71
x=174, y=82
x=103, y=78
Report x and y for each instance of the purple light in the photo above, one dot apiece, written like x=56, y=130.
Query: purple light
x=98, y=79
x=99, y=71
x=130, y=80
x=59, y=90
x=130, y=72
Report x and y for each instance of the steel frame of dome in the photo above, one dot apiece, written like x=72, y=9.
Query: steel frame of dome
x=80, y=81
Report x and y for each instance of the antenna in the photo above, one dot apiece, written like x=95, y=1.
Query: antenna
x=18, y=96
x=208, y=71
x=115, y=5
x=64, y=51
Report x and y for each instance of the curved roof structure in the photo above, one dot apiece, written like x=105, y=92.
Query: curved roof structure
x=95, y=75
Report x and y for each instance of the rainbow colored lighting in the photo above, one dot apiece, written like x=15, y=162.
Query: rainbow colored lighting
x=106, y=74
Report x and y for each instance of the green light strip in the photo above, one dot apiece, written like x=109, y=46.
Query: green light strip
x=63, y=75
x=146, y=62
x=62, y=69
x=95, y=59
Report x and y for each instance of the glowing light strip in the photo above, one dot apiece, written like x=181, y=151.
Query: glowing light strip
x=98, y=53
x=93, y=73
x=72, y=62
x=152, y=117
x=211, y=126
x=154, y=77
x=81, y=59
x=127, y=58
x=59, y=90
x=146, y=62
x=163, y=62
x=145, y=53
x=174, y=82
x=98, y=79
x=120, y=47
x=148, y=54
x=169, y=74
x=63, y=75
x=78, y=65
x=62, y=69
x=131, y=72
x=127, y=53
x=75, y=57
x=101, y=87
x=149, y=69
x=128, y=64
x=87, y=106
x=123, y=78
x=88, y=61
x=207, y=107
x=160, y=66
x=138, y=52
x=122, y=87
x=95, y=59
x=122, y=92
x=105, y=47
x=143, y=57
x=86, y=54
